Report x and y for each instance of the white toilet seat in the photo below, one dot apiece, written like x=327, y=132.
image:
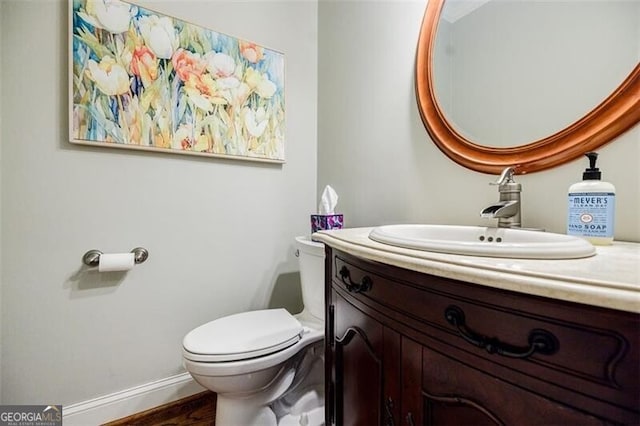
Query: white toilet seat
x=241, y=356
x=233, y=368
x=242, y=336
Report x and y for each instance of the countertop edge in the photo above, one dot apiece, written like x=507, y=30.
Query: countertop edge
x=605, y=294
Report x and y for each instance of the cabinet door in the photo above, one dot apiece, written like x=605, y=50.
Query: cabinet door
x=454, y=393
x=411, y=374
x=366, y=365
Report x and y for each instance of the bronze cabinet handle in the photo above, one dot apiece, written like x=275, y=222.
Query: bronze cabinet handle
x=363, y=286
x=540, y=341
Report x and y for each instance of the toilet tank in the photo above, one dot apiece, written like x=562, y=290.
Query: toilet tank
x=311, y=259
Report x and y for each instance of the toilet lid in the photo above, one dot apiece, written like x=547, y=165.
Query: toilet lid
x=242, y=336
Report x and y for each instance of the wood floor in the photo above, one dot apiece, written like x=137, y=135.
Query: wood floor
x=195, y=410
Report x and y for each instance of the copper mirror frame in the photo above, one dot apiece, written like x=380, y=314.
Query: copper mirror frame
x=614, y=116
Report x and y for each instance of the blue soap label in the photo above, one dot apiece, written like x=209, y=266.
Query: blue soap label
x=591, y=214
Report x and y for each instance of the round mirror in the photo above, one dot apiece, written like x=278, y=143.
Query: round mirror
x=525, y=83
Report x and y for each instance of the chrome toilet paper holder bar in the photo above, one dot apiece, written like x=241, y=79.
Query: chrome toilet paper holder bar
x=92, y=257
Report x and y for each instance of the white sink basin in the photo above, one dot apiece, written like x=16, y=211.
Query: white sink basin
x=483, y=241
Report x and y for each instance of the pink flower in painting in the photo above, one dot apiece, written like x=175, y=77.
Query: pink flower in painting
x=198, y=84
x=251, y=51
x=144, y=64
x=187, y=65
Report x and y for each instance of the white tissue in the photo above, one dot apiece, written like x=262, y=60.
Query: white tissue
x=116, y=262
x=328, y=201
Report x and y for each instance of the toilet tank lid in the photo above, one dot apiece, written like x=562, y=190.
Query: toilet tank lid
x=242, y=333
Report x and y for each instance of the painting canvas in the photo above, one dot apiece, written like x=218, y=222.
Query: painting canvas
x=143, y=80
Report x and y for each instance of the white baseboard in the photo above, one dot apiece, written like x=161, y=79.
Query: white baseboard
x=130, y=401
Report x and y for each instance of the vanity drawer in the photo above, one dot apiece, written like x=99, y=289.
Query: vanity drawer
x=520, y=337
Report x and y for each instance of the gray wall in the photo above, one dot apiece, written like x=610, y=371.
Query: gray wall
x=375, y=151
x=220, y=232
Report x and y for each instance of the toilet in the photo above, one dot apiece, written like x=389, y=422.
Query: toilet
x=267, y=366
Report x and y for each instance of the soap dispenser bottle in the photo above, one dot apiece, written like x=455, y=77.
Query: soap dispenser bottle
x=592, y=206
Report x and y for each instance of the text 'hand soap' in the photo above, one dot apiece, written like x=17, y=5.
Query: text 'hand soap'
x=592, y=204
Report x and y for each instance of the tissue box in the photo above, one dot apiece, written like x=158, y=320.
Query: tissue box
x=326, y=221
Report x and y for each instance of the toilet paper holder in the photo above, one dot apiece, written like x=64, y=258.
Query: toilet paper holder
x=92, y=257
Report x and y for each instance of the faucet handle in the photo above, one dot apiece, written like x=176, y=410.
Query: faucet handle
x=505, y=177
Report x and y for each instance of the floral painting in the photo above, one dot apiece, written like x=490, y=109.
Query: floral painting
x=143, y=80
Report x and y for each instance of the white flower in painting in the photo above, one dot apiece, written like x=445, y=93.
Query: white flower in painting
x=255, y=122
x=111, y=15
x=110, y=77
x=237, y=95
x=159, y=34
x=240, y=94
x=266, y=88
x=220, y=64
x=228, y=83
x=222, y=67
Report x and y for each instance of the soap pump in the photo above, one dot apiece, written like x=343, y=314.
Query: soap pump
x=591, y=206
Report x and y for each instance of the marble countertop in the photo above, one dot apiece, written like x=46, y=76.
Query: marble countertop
x=610, y=279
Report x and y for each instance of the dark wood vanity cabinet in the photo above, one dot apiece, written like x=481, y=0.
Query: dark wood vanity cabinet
x=405, y=348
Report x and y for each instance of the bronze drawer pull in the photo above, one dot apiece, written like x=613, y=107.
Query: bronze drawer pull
x=540, y=341
x=361, y=287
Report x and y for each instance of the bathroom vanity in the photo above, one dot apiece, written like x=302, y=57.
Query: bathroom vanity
x=415, y=337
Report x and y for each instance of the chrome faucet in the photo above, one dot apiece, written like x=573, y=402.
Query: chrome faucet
x=507, y=210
